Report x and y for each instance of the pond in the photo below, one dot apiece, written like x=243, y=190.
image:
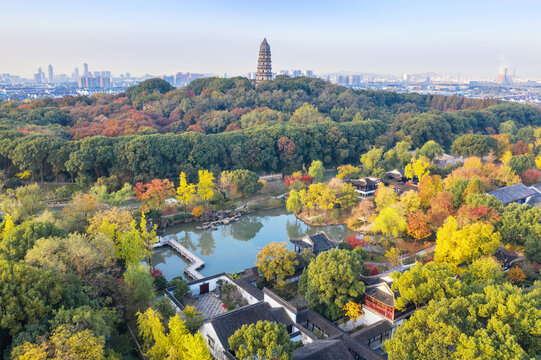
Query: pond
x=234, y=247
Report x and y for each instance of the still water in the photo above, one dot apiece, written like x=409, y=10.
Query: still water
x=234, y=247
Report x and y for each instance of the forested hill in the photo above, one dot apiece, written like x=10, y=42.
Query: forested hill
x=154, y=130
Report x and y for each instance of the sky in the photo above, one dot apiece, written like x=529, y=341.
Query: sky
x=473, y=37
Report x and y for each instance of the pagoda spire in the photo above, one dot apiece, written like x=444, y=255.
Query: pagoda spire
x=264, y=69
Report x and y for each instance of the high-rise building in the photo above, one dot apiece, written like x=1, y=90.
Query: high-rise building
x=51, y=74
x=170, y=79
x=85, y=69
x=296, y=73
x=264, y=69
x=502, y=76
x=309, y=73
x=76, y=74
x=39, y=77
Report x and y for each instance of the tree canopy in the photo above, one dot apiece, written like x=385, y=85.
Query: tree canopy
x=332, y=279
x=500, y=322
x=262, y=340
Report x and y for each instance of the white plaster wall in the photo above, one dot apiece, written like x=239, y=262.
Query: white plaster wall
x=194, y=288
x=249, y=298
x=208, y=330
x=306, y=339
x=275, y=304
x=367, y=319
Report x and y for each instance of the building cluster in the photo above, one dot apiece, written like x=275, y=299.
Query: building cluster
x=503, y=86
x=182, y=79
x=320, y=338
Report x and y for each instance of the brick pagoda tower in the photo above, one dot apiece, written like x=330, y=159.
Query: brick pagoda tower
x=264, y=70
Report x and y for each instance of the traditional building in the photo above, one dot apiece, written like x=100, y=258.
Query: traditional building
x=507, y=257
x=518, y=193
x=380, y=297
x=365, y=187
x=317, y=243
x=264, y=69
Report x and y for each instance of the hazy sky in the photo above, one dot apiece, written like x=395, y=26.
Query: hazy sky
x=223, y=36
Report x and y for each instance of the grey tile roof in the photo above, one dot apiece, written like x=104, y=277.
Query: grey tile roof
x=251, y=274
x=363, y=351
x=249, y=288
x=380, y=295
x=321, y=322
x=322, y=242
x=323, y=350
x=225, y=325
x=512, y=193
x=536, y=187
x=536, y=199
x=372, y=331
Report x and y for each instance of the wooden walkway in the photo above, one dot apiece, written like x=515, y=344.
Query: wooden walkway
x=195, y=262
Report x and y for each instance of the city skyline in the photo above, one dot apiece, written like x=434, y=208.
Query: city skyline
x=222, y=38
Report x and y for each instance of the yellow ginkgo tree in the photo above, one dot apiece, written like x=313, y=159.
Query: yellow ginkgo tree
x=177, y=343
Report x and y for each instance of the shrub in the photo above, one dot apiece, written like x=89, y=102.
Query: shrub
x=160, y=282
x=181, y=288
x=165, y=308
x=198, y=211
x=317, y=219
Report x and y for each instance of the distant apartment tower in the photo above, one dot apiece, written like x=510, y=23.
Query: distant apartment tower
x=182, y=79
x=170, y=79
x=76, y=74
x=502, y=76
x=39, y=76
x=264, y=68
x=309, y=73
x=94, y=82
x=51, y=73
x=296, y=73
x=356, y=80
x=85, y=69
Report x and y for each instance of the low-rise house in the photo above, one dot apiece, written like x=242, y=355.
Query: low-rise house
x=366, y=187
x=400, y=187
x=321, y=338
x=375, y=334
x=317, y=243
x=518, y=193
x=380, y=297
x=536, y=198
x=328, y=349
x=507, y=257
x=396, y=175
x=221, y=328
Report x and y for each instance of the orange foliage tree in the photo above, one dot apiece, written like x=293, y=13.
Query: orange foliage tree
x=515, y=275
x=419, y=225
x=154, y=194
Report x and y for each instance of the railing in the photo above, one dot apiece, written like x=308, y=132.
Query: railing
x=195, y=262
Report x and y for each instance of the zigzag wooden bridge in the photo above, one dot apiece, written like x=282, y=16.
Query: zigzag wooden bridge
x=195, y=262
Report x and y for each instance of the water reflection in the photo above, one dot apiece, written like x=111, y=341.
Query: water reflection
x=294, y=228
x=244, y=230
x=207, y=243
x=234, y=247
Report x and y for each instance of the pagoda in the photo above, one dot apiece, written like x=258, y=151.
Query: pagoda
x=264, y=70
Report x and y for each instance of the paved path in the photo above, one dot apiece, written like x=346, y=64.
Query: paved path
x=209, y=305
x=425, y=251
x=261, y=199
